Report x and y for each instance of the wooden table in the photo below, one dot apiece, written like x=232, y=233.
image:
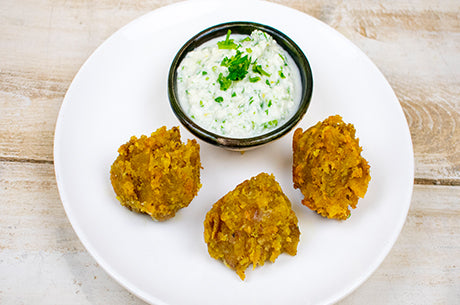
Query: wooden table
x=416, y=44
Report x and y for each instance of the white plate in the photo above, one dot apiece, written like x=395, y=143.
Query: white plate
x=121, y=91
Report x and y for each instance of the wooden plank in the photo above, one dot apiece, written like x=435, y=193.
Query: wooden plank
x=424, y=265
x=39, y=249
x=38, y=246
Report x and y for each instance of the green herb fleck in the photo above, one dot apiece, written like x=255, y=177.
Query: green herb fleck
x=237, y=69
x=201, y=104
x=283, y=58
x=219, y=99
x=269, y=124
x=237, y=66
x=233, y=94
x=251, y=100
x=260, y=70
x=269, y=103
x=227, y=43
x=204, y=73
x=224, y=82
x=249, y=50
x=246, y=39
x=281, y=74
x=254, y=79
x=267, y=82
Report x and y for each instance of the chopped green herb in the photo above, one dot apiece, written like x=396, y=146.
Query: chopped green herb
x=201, y=104
x=219, y=99
x=223, y=82
x=267, y=82
x=266, y=112
x=281, y=74
x=237, y=69
x=227, y=43
x=204, y=73
x=283, y=58
x=238, y=66
x=246, y=39
x=251, y=99
x=233, y=94
x=192, y=116
x=271, y=123
x=269, y=103
x=260, y=70
x=249, y=50
x=254, y=79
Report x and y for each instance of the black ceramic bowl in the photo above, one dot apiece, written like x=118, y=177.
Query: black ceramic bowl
x=245, y=28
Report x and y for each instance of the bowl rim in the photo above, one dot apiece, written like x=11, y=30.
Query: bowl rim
x=241, y=27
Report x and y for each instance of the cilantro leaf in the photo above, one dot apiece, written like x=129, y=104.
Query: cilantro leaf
x=260, y=70
x=227, y=43
x=237, y=65
x=223, y=82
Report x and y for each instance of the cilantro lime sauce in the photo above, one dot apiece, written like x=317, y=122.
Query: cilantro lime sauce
x=239, y=86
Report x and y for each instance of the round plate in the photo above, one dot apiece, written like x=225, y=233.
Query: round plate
x=122, y=91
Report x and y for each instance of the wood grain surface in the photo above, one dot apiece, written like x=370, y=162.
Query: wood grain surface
x=43, y=43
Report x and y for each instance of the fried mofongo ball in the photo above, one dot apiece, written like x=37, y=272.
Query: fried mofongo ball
x=251, y=224
x=328, y=167
x=157, y=175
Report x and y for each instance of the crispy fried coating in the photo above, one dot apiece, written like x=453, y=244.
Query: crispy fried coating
x=157, y=175
x=328, y=167
x=251, y=224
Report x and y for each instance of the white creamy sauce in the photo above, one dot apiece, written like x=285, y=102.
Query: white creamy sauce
x=217, y=94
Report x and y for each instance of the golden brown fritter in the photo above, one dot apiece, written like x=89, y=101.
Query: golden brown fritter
x=328, y=167
x=157, y=175
x=251, y=224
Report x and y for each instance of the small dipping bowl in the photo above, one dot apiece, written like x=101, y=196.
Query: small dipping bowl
x=245, y=28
